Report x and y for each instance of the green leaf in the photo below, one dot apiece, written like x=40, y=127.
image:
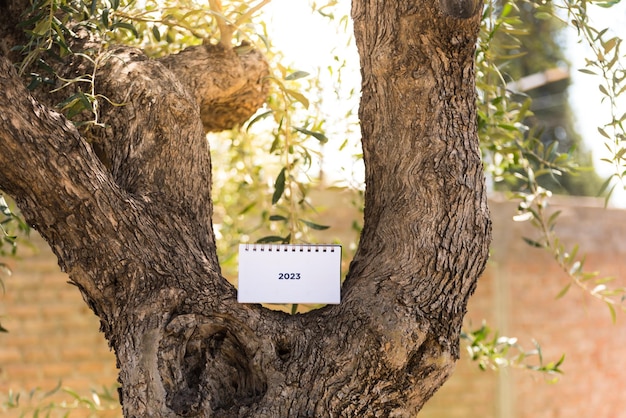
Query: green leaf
x=156, y=33
x=612, y=311
x=105, y=18
x=296, y=75
x=603, y=90
x=247, y=208
x=294, y=308
x=606, y=184
x=317, y=135
x=608, y=195
x=75, y=104
x=506, y=9
x=275, y=144
x=586, y=71
x=603, y=133
x=258, y=118
x=270, y=239
x=279, y=187
x=532, y=243
x=127, y=26
x=42, y=27
x=563, y=291
x=608, y=4
x=42, y=64
x=543, y=15
x=552, y=218
x=53, y=390
x=72, y=393
x=277, y=218
x=572, y=255
x=69, y=102
x=604, y=280
x=558, y=363
x=34, y=82
x=588, y=276
x=28, y=22
x=313, y=225
x=299, y=97
x=610, y=44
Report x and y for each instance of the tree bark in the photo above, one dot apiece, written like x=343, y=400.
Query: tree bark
x=128, y=214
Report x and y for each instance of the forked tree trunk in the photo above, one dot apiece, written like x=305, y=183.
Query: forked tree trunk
x=129, y=215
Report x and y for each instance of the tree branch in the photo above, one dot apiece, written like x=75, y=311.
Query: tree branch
x=226, y=28
x=250, y=12
x=426, y=218
x=71, y=208
x=228, y=87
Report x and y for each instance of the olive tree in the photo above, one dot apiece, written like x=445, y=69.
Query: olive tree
x=126, y=206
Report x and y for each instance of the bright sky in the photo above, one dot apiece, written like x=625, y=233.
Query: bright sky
x=306, y=39
x=310, y=41
x=585, y=97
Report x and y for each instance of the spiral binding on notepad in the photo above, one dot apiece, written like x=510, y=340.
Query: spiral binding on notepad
x=292, y=247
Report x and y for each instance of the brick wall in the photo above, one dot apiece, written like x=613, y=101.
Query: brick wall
x=54, y=336
x=517, y=295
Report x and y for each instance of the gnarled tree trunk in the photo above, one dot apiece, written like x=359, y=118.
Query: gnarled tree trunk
x=129, y=215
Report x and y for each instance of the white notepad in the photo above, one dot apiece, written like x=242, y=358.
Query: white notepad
x=289, y=273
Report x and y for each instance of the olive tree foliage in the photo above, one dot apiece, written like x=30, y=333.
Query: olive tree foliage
x=267, y=197
x=517, y=160
x=514, y=153
x=544, y=55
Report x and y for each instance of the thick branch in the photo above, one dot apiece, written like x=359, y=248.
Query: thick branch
x=228, y=86
x=426, y=214
x=153, y=142
x=69, y=207
x=137, y=262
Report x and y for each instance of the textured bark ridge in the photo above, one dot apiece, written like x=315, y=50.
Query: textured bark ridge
x=209, y=354
x=229, y=87
x=127, y=209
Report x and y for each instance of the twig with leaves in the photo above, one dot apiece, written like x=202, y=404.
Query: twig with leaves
x=227, y=27
x=607, y=64
x=495, y=352
x=518, y=157
x=534, y=207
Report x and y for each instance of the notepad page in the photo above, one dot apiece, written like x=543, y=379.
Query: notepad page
x=289, y=273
